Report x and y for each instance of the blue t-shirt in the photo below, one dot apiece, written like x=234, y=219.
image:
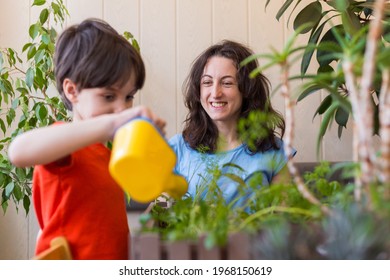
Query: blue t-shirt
x=238, y=169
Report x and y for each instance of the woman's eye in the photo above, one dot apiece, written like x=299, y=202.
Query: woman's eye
x=227, y=84
x=207, y=83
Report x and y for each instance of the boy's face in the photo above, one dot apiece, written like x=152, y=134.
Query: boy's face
x=92, y=102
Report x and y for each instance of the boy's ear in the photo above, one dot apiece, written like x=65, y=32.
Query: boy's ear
x=70, y=90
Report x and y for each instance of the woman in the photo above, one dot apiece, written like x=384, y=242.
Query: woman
x=218, y=93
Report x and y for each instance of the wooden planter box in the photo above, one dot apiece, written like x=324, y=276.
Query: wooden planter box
x=149, y=246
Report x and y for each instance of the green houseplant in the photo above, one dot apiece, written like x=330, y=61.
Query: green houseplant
x=359, y=53
x=25, y=84
x=353, y=70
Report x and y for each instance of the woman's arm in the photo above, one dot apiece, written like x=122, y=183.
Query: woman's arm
x=48, y=144
x=283, y=177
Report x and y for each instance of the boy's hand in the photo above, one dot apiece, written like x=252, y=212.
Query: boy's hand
x=142, y=111
x=158, y=122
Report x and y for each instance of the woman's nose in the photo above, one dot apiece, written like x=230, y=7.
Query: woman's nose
x=216, y=90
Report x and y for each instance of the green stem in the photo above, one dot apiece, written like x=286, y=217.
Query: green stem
x=258, y=214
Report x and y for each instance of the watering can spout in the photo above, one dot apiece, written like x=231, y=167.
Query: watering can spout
x=176, y=186
x=142, y=162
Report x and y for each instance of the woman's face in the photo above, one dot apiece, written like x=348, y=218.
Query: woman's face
x=219, y=94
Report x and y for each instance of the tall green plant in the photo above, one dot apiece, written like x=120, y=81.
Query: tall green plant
x=324, y=20
x=25, y=82
x=354, y=70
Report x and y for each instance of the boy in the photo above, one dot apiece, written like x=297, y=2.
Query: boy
x=98, y=73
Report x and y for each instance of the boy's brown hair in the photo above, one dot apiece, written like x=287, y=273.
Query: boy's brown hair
x=93, y=54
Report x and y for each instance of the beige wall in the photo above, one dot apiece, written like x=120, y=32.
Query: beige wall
x=171, y=34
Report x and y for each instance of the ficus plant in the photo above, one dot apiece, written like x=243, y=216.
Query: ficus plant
x=28, y=97
x=26, y=80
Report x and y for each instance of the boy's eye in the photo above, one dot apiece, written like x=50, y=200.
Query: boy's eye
x=109, y=97
x=129, y=97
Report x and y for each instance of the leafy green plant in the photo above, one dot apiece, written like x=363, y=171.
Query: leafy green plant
x=25, y=84
x=189, y=218
x=359, y=83
x=326, y=22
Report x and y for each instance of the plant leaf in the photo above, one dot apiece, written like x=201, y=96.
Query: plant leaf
x=235, y=178
x=9, y=188
x=314, y=37
x=325, y=104
x=329, y=45
x=312, y=14
x=283, y=8
x=308, y=91
x=328, y=115
x=341, y=117
x=2, y=126
x=233, y=165
x=39, y=2
x=26, y=203
x=30, y=77
x=34, y=30
x=350, y=22
x=44, y=16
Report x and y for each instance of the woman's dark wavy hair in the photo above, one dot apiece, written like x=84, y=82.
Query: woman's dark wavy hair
x=93, y=54
x=199, y=130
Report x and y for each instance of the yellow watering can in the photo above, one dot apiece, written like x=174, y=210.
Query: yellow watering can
x=142, y=162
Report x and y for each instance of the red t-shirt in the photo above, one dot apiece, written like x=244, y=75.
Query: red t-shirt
x=80, y=200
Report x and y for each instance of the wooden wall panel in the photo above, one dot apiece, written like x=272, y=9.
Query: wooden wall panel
x=158, y=44
x=263, y=35
x=33, y=229
x=9, y=11
x=14, y=234
x=82, y=9
x=335, y=148
x=194, y=35
x=230, y=20
x=123, y=15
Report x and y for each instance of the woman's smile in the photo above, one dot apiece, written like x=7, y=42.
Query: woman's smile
x=218, y=104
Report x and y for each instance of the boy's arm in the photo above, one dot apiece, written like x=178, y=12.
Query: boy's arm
x=48, y=144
